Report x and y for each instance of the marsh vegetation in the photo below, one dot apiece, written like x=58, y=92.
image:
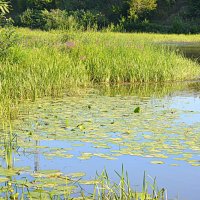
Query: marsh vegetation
x=38, y=64
x=72, y=99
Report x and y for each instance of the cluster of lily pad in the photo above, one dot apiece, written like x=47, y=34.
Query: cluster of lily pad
x=123, y=126
x=110, y=130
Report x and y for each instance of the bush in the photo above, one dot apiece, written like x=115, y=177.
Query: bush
x=182, y=26
x=143, y=26
x=89, y=20
x=32, y=18
x=58, y=19
x=62, y=20
x=8, y=39
x=73, y=20
x=178, y=26
x=4, y=21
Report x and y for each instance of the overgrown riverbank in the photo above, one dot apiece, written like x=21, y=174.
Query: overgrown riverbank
x=39, y=64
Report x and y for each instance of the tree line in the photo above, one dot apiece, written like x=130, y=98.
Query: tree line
x=120, y=15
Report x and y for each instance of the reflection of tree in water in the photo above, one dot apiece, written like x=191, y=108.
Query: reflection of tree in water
x=195, y=86
x=36, y=157
x=192, y=52
x=141, y=89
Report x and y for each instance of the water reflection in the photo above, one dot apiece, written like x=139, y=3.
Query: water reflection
x=73, y=134
x=142, y=90
x=192, y=52
x=194, y=88
x=36, y=157
x=188, y=49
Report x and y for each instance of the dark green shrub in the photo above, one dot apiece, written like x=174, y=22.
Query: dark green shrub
x=143, y=26
x=32, y=18
x=73, y=20
x=194, y=8
x=178, y=25
x=89, y=20
x=58, y=19
x=4, y=21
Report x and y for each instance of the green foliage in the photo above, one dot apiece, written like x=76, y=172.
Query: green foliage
x=88, y=19
x=138, y=7
x=61, y=19
x=137, y=110
x=105, y=188
x=178, y=25
x=4, y=7
x=39, y=4
x=32, y=18
x=117, y=15
x=58, y=19
x=194, y=8
x=4, y=21
x=8, y=39
x=48, y=64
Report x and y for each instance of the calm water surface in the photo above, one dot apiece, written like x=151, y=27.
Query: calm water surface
x=191, y=52
x=189, y=49
x=100, y=130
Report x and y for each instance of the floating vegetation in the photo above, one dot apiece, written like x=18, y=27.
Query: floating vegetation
x=158, y=162
x=47, y=64
x=68, y=134
x=137, y=110
x=52, y=184
x=157, y=132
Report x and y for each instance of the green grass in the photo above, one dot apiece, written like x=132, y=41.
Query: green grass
x=106, y=189
x=101, y=188
x=180, y=38
x=50, y=63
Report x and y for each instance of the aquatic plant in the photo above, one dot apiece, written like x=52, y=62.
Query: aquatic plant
x=53, y=63
x=106, y=189
x=8, y=144
x=51, y=184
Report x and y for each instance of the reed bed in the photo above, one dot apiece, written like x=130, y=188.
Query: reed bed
x=51, y=63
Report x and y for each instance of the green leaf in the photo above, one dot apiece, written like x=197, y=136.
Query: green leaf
x=157, y=162
x=137, y=110
x=67, y=123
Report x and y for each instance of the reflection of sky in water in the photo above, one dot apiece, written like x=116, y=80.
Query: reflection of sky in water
x=182, y=181
x=191, y=105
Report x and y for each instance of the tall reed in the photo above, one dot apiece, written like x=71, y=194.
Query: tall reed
x=50, y=63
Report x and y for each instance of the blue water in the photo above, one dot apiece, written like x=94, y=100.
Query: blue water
x=181, y=182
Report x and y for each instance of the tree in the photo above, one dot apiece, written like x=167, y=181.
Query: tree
x=4, y=7
x=194, y=6
x=138, y=7
x=39, y=4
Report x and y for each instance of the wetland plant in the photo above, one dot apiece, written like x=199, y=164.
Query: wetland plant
x=103, y=188
x=108, y=190
x=52, y=63
x=8, y=144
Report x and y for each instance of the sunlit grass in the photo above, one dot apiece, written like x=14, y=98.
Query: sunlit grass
x=106, y=189
x=50, y=63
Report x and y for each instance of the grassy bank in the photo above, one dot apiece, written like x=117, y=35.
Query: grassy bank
x=179, y=38
x=50, y=63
